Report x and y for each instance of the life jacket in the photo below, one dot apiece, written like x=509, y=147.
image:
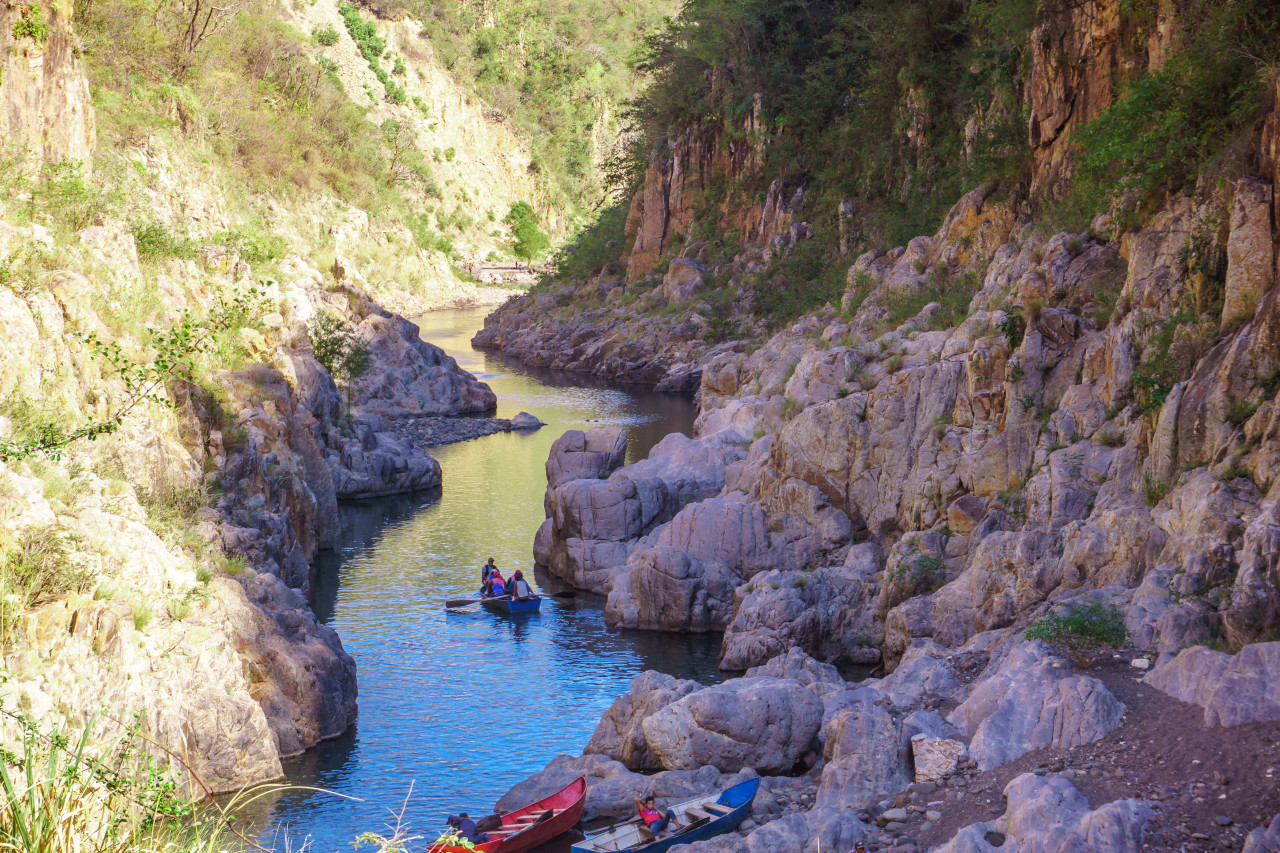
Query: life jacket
x=519, y=588
x=650, y=816
x=499, y=586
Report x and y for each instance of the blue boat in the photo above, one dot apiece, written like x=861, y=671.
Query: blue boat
x=699, y=819
x=508, y=607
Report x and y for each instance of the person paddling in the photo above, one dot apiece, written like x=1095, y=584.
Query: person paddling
x=496, y=587
x=487, y=569
x=518, y=589
x=654, y=819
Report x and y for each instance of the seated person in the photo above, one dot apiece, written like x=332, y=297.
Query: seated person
x=654, y=819
x=518, y=588
x=487, y=569
x=495, y=587
x=466, y=829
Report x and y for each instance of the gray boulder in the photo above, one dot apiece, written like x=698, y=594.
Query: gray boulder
x=620, y=733
x=374, y=464
x=864, y=752
x=1032, y=702
x=525, y=421
x=1264, y=839
x=595, y=523
x=821, y=678
x=683, y=280
x=825, y=612
x=769, y=724
x=1232, y=689
x=1048, y=815
x=590, y=455
x=925, y=668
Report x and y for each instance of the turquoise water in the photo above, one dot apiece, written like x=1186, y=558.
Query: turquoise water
x=462, y=704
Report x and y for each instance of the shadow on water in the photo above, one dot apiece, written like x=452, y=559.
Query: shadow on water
x=465, y=703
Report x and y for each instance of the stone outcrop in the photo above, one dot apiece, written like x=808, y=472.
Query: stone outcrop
x=45, y=107
x=595, y=523
x=864, y=752
x=768, y=724
x=1051, y=815
x=1232, y=689
x=620, y=733
x=1032, y=702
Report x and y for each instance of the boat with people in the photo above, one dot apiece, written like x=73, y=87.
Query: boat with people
x=509, y=606
x=694, y=820
x=526, y=827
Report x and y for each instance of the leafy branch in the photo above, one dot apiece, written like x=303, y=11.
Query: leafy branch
x=176, y=348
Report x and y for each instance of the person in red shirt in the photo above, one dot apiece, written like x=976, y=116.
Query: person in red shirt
x=654, y=819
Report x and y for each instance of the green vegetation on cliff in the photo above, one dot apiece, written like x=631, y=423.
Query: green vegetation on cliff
x=893, y=109
x=561, y=71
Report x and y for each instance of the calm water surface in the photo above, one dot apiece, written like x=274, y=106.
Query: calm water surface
x=462, y=704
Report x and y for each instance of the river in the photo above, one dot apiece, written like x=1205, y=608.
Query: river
x=462, y=704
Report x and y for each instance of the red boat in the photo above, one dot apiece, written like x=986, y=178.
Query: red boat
x=527, y=827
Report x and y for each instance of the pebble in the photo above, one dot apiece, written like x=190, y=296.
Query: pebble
x=1140, y=663
x=933, y=816
x=1223, y=820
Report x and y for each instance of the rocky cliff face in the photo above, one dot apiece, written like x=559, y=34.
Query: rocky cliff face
x=45, y=109
x=162, y=569
x=995, y=422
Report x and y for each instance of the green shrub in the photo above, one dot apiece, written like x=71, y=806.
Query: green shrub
x=337, y=348
x=142, y=615
x=1081, y=629
x=530, y=243
x=31, y=23
x=1239, y=411
x=154, y=240
x=326, y=35
x=1155, y=489
x=36, y=568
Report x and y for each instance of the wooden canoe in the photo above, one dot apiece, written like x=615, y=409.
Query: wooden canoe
x=521, y=829
x=509, y=607
x=700, y=818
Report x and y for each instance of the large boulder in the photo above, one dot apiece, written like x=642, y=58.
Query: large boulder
x=620, y=732
x=1032, y=702
x=685, y=579
x=1232, y=689
x=590, y=455
x=865, y=754
x=769, y=724
x=1049, y=815
x=411, y=377
x=825, y=612
x=683, y=280
x=822, y=678
x=595, y=523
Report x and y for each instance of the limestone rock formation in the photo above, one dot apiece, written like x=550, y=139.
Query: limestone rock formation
x=1232, y=689
x=1031, y=702
x=864, y=752
x=768, y=724
x=620, y=732
x=1051, y=815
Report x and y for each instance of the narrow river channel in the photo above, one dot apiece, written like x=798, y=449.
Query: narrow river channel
x=462, y=704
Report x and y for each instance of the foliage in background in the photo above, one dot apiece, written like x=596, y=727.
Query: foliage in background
x=250, y=90
x=1169, y=125
x=372, y=48
x=530, y=243
x=559, y=70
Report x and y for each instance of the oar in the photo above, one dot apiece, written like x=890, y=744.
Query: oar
x=462, y=602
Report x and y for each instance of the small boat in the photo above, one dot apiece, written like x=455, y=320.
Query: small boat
x=527, y=827
x=509, y=607
x=700, y=818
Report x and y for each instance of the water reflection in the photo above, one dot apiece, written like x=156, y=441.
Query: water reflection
x=464, y=703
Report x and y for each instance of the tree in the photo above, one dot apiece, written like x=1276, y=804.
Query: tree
x=530, y=242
